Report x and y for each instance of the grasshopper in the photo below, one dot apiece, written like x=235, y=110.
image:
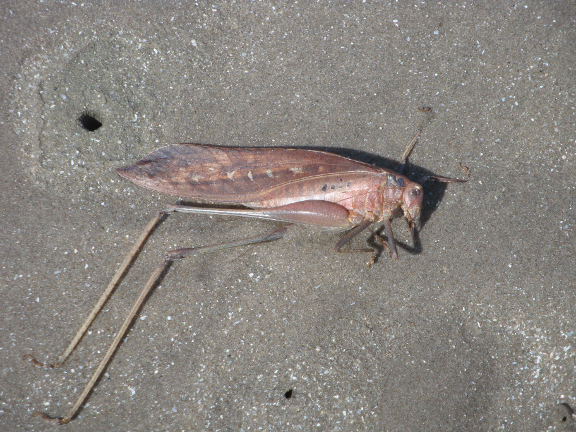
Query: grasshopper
x=292, y=185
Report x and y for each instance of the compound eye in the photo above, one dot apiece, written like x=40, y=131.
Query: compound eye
x=415, y=193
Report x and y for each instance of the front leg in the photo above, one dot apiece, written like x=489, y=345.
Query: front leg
x=391, y=241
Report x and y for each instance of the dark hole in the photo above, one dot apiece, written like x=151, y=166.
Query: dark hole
x=564, y=418
x=288, y=394
x=89, y=122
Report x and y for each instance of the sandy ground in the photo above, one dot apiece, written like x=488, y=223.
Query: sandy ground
x=475, y=331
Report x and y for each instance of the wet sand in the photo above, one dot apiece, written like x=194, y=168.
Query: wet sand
x=472, y=331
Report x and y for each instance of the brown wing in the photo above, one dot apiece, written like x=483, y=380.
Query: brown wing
x=232, y=175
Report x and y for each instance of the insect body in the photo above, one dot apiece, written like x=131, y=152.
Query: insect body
x=292, y=185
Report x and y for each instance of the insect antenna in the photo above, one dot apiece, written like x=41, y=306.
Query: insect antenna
x=439, y=179
x=404, y=159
